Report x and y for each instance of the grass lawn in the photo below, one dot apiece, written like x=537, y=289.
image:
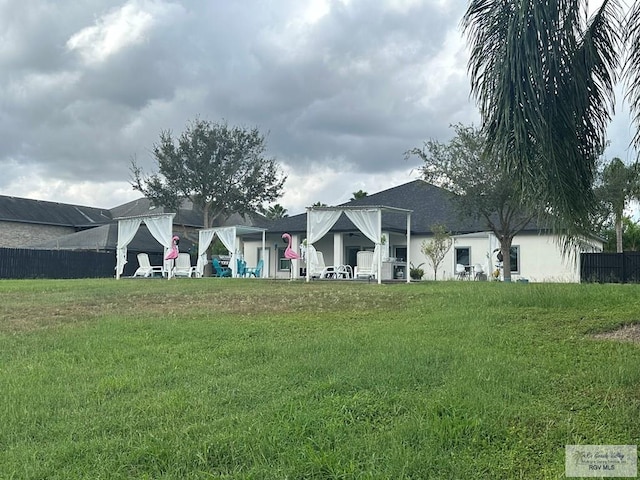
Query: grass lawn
x=258, y=379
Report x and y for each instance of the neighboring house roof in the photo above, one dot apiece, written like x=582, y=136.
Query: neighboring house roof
x=24, y=210
x=430, y=205
x=186, y=215
x=105, y=238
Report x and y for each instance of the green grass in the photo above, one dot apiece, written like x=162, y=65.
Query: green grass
x=247, y=379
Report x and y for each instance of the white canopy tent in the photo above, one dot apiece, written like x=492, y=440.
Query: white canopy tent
x=160, y=226
x=228, y=236
x=367, y=219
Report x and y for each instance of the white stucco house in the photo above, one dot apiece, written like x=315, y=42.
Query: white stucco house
x=537, y=254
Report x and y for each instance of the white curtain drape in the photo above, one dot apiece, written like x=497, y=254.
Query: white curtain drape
x=313, y=265
x=205, y=237
x=369, y=222
x=320, y=222
x=227, y=236
x=161, y=227
x=127, y=229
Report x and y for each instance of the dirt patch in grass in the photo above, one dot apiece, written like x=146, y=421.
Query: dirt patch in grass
x=626, y=333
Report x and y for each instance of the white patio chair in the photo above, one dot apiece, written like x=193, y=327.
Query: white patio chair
x=317, y=267
x=144, y=267
x=344, y=271
x=365, y=266
x=182, y=267
x=461, y=271
x=478, y=272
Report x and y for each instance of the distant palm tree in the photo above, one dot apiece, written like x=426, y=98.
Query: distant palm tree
x=276, y=211
x=619, y=184
x=358, y=194
x=544, y=74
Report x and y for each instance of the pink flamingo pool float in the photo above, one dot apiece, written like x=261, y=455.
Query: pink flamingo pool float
x=172, y=254
x=289, y=252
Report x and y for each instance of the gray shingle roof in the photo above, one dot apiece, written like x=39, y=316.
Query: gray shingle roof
x=15, y=209
x=430, y=205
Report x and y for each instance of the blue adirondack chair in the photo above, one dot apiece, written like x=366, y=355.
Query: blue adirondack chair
x=219, y=269
x=257, y=271
x=241, y=268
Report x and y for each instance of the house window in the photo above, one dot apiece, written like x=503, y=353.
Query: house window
x=400, y=253
x=514, y=259
x=463, y=256
x=284, y=264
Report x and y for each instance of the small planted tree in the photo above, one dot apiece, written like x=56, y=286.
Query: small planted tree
x=482, y=190
x=436, y=248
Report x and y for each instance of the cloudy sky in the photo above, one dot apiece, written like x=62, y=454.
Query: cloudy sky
x=341, y=87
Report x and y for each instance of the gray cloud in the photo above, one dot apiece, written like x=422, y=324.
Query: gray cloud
x=85, y=86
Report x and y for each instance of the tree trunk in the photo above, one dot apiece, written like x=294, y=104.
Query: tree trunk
x=207, y=272
x=505, y=249
x=619, y=248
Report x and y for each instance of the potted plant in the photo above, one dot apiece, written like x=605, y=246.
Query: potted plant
x=416, y=273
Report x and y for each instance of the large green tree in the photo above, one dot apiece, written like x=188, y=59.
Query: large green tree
x=222, y=169
x=543, y=74
x=482, y=190
x=617, y=185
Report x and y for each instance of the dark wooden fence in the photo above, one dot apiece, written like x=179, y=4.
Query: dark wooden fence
x=27, y=263
x=610, y=267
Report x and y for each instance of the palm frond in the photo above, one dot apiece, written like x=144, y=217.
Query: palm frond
x=543, y=78
x=631, y=74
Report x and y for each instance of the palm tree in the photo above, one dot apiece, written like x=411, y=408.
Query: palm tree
x=359, y=194
x=619, y=184
x=276, y=211
x=543, y=74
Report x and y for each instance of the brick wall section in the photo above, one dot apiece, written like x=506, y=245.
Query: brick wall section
x=15, y=235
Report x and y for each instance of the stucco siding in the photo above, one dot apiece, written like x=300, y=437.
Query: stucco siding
x=540, y=255
x=542, y=260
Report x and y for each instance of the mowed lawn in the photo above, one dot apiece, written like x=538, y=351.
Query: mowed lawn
x=259, y=379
